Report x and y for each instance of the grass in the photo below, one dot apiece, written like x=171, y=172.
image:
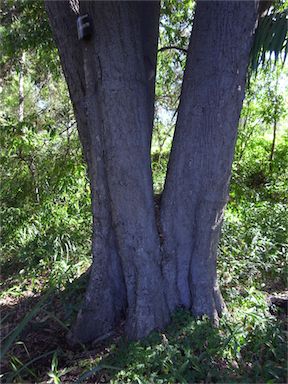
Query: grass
x=194, y=351
x=48, y=246
x=248, y=346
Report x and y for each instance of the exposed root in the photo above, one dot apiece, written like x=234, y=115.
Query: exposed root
x=207, y=301
x=149, y=313
x=89, y=327
x=143, y=322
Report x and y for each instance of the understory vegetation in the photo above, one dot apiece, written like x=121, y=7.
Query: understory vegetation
x=46, y=227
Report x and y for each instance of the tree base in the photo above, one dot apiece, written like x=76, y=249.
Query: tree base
x=89, y=327
x=207, y=301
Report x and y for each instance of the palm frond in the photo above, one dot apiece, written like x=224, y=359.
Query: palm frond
x=271, y=40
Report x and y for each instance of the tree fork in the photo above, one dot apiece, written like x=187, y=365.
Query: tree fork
x=112, y=91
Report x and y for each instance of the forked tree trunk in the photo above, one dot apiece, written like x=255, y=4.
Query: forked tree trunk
x=111, y=83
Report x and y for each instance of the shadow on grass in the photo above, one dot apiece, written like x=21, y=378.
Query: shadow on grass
x=247, y=349
x=44, y=332
x=193, y=351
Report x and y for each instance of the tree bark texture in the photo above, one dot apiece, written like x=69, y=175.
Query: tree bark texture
x=202, y=152
x=111, y=80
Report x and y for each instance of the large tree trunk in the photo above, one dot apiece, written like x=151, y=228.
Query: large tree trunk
x=111, y=83
x=119, y=67
x=196, y=188
x=100, y=312
x=118, y=86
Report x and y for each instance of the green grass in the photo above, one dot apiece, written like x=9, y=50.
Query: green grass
x=48, y=245
x=247, y=347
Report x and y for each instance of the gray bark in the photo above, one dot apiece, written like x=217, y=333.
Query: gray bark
x=111, y=83
x=197, y=182
x=105, y=300
x=116, y=55
x=116, y=77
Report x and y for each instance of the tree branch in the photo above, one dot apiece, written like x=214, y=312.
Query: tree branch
x=172, y=47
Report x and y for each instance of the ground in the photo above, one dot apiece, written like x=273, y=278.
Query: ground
x=249, y=339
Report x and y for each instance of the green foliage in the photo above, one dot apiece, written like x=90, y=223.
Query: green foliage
x=247, y=347
x=25, y=28
x=254, y=245
x=45, y=206
x=175, y=27
x=17, y=372
x=46, y=220
x=271, y=38
x=55, y=374
x=159, y=166
x=13, y=336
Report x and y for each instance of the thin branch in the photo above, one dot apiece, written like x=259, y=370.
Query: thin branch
x=172, y=47
x=73, y=125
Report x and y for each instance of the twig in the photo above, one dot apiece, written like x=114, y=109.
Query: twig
x=172, y=47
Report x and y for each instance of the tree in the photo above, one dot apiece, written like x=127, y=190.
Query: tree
x=138, y=272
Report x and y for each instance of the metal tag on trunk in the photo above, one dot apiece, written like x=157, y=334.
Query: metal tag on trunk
x=84, y=27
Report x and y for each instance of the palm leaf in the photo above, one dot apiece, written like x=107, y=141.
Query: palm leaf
x=271, y=39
